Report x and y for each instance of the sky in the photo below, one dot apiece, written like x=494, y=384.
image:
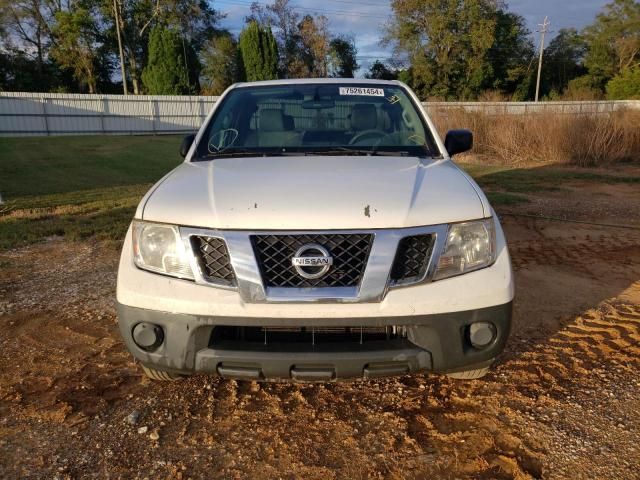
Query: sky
x=364, y=19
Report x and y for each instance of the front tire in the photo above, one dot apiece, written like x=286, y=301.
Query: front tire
x=160, y=375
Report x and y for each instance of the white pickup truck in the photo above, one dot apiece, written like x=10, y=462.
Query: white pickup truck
x=317, y=230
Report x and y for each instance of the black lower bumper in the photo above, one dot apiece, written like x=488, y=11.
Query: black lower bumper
x=437, y=342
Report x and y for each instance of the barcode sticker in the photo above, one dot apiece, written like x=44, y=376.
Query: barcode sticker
x=370, y=92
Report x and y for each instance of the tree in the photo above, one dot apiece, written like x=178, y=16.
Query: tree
x=197, y=23
x=305, y=44
x=379, y=71
x=20, y=72
x=38, y=56
x=220, y=64
x=283, y=20
x=259, y=52
x=446, y=42
x=314, y=46
x=135, y=20
x=76, y=45
x=613, y=41
x=194, y=20
x=510, y=57
x=405, y=75
x=342, y=57
x=625, y=85
x=563, y=60
x=28, y=22
x=165, y=73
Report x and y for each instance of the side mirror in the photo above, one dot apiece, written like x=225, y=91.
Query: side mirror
x=186, y=144
x=458, y=141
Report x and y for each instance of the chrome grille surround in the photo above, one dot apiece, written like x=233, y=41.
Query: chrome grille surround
x=412, y=259
x=213, y=259
x=373, y=285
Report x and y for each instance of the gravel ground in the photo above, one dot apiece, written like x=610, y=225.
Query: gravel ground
x=562, y=402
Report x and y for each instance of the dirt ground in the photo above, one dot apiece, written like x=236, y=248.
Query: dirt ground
x=562, y=402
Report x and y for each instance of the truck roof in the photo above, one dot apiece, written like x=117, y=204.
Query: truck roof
x=302, y=81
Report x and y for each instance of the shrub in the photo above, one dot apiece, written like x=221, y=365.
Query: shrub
x=625, y=85
x=584, y=140
x=221, y=64
x=582, y=88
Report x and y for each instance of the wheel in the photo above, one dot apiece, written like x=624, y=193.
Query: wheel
x=160, y=375
x=469, y=374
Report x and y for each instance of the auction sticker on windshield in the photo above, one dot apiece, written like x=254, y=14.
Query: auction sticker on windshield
x=371, y=92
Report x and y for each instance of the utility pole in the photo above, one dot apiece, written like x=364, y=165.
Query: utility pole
x=116, y=17
x=543, y=29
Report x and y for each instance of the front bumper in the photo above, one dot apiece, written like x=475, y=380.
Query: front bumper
x=434, y=342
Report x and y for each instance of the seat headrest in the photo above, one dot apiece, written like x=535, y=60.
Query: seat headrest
x=363, y=117
x=288, y=122
x=385, y=120
x=271, y=120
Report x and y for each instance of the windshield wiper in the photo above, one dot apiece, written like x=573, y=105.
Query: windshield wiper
x=360, y=151
x=244, y=152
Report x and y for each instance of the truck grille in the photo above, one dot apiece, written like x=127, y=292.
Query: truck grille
x=350, y=252
x=213, y=258
x=412, y=259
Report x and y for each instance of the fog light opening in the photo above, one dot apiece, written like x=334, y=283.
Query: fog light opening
x=481, y=334
x=147, y=336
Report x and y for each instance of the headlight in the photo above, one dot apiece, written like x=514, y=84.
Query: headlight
x=470, y=246
x=159, y=248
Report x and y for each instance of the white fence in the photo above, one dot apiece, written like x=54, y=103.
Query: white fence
x=74, y=114
x=78, y=114
x=523, y=108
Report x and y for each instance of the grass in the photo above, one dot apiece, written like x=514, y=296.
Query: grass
x=46, y=165
x=507, y=186
x=534, y=179
x=505, y=199
x=89, y=187
x=549, y=138
x=77, y=187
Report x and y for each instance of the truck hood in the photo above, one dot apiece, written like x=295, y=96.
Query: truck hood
x=313, y=193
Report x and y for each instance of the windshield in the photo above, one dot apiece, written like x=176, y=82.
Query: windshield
x=317, y=119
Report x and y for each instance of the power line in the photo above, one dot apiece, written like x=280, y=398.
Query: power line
x=248, y=3
x=310, y=10
x=363, y=4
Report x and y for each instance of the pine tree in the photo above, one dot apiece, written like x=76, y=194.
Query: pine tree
x=166, y=72
x=259, y=53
